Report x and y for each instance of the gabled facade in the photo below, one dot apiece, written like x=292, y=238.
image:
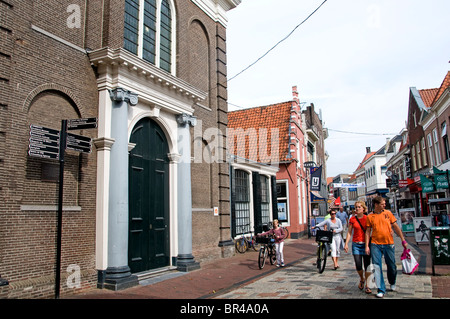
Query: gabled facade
x=315, y=152
x=276, y=135
x=154, y=75
x=360, y=175
x=435, y=122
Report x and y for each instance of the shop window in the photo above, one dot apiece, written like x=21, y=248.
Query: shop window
x=283, y=201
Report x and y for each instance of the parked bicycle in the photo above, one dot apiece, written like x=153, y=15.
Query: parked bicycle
x=243, y=243
x=323, y=239
x=267, y=250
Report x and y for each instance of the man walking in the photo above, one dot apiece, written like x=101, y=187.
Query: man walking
x=343, y=216
x=379, y=228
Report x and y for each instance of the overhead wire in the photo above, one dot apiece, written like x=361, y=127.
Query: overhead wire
x=278, y=43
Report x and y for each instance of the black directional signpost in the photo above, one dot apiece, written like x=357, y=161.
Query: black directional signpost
x=44, y=142
x=52, y=144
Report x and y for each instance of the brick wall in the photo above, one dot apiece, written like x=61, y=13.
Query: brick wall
x=46, y=81
x=201, y=56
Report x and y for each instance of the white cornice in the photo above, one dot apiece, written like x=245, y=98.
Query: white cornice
x=120, y=68
x=217, y=9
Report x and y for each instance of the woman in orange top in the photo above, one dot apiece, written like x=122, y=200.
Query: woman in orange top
x=357, y=224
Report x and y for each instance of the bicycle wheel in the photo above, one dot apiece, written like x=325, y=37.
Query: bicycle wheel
x=241, y=245
x=272, y=255
x=286, y=232
x=321, y=257
x=262, y=257
x=255, y=245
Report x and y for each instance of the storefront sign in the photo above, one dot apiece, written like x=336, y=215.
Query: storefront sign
x=427, y=185
x=406, y=216
x=422, y=229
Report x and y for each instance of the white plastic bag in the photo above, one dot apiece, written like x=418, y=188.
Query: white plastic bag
x=409, y=263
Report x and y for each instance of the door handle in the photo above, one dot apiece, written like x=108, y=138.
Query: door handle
x=151, y=226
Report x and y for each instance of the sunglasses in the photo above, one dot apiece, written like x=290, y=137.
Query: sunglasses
x=333, y=214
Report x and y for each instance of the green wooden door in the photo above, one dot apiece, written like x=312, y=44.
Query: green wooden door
x=148, y=244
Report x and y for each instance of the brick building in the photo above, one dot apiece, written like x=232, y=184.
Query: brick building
x=283, y=143
x=154, y=74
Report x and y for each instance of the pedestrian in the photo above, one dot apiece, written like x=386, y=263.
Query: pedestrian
x=379, y=230
x=335, y=225
x=357, y=225
x=279, y=235
x=343, y=216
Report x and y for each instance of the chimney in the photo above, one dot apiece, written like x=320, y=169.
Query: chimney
x=295, y=95
x=368, y=149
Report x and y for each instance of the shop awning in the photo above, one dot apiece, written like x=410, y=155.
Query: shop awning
x=316, y=197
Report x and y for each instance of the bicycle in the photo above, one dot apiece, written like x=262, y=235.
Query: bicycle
x=242, y=244
x=252, y=243
x=323, y=237
x=267, y=250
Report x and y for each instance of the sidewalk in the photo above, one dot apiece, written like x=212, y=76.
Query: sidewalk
x=240, y=277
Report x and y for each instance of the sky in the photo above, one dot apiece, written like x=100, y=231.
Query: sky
x=354, y=59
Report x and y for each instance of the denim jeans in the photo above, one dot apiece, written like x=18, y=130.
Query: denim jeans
x=377, y=251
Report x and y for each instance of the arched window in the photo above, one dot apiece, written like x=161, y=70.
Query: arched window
x=149, y=31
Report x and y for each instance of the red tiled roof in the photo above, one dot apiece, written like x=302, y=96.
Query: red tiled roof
x=428, y=96
x=272, y=117
x=445, y=84
x=366, y=157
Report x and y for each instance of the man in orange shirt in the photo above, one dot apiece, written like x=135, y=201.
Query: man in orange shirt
x=379, y=226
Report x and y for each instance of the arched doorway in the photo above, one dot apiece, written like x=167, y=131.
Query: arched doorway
x=148, y=244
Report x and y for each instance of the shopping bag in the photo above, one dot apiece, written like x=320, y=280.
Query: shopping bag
x=371, y=283
x=409, y=263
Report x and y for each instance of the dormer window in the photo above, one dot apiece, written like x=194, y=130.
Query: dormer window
x=149, y=31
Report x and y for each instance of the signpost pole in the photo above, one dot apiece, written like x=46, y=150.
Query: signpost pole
x=62, y=149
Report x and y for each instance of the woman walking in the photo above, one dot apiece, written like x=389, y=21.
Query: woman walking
x=335, y=225
x=279, y=235
x=357, y=225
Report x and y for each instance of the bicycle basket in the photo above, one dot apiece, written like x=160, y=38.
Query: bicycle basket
x=324, y=236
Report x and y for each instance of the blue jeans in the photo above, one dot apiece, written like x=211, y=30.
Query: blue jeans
x=389, y=256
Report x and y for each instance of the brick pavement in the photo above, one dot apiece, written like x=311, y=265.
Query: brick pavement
x=239, y=277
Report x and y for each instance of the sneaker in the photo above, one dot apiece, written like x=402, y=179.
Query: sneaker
x=278, y=265
x=393, y=288
x=282, y=265
x=380, y=295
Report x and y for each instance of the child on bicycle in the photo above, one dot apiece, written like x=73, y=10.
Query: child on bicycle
x=279, y=235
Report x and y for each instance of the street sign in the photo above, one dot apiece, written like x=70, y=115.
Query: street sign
x=79, y=124
x=43, y=142
x=309, y=164
x=52, y=144
x=79, y=143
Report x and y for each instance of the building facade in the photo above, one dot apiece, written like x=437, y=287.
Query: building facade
x=154, y=75
x=283, y=135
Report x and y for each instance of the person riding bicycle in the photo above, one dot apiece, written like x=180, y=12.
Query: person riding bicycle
x=335, y=225
x=279, y=235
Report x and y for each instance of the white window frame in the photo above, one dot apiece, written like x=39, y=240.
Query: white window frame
x=436, y=147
